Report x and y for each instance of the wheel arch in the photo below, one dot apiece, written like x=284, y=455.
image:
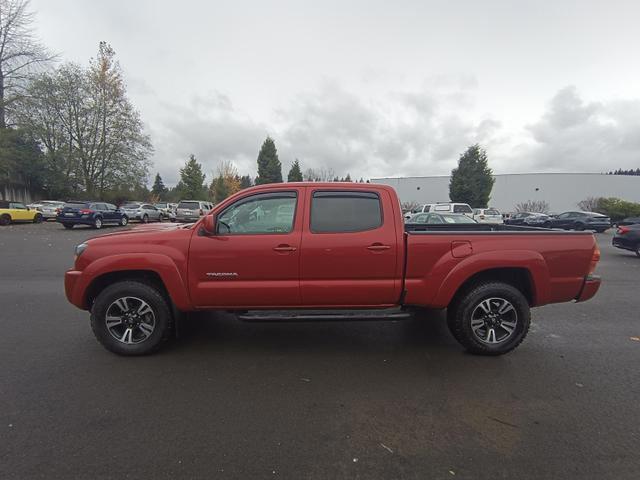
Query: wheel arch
x=158, y=270
x=518, y=277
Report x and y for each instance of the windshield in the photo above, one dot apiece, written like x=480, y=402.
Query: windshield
x=189, y=205
x=457, y=219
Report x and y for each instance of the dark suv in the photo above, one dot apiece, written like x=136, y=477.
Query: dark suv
x=94, y=214
x=581, y=221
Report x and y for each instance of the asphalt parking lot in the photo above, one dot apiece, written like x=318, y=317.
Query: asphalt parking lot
x=362, y=400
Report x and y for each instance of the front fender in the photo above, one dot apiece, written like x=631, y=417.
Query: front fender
x=77, y=282
x=533, y=262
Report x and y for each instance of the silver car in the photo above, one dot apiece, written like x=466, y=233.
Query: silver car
x=192, y=210
x=48, y=208
x=168, y=210
x=143, y=212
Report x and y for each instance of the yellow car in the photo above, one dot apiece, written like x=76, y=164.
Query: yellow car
x=13, y=212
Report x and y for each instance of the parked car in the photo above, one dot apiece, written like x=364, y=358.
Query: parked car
x=16, y=212
x=48, y=208
x=326, y=251
x=580, y=221
x=440, y=219
x=143, y=212
x=487, y=215
x=627, y=237
x=629, y=221
x=192, y=210
x=533, y=219
x=168, y=210
x=94, y=214
x=441, y=207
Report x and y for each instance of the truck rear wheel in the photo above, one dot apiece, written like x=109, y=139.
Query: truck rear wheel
x=491, y=318
x=131, y=318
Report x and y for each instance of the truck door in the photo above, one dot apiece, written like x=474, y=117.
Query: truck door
x=253, y=259
x=349, y=249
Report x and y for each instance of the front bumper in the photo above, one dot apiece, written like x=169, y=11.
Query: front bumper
x=70, y=280
x=589, y=288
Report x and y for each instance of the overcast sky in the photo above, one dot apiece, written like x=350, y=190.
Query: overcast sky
x=373, y=88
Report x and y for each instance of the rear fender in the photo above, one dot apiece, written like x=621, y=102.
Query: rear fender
x=531, y=261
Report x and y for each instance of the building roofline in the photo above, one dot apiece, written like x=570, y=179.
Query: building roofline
x=503, y=175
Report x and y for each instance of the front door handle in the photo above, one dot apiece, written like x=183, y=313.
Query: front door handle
x=377, y=247
x=285, y=248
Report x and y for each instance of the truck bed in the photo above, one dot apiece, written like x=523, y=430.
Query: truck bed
x=481, y=227
x=438, y=257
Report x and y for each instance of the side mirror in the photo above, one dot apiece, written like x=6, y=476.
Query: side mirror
x=209, y=225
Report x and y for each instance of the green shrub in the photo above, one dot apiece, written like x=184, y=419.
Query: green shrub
x=617, y=209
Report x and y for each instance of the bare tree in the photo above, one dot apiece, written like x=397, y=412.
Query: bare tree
x=20, y=52
x=409, y=206
x=93, y=136
x=589, y=204
x=319, y=175
x=535, y=206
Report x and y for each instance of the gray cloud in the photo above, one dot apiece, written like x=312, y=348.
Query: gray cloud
x=412, y=132
x=210, y=128
x=577, y=135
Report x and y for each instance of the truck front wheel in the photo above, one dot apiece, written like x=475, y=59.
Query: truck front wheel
x=131, y=318
x=490, y=318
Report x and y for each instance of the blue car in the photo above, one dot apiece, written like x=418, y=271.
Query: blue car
x=94, y=214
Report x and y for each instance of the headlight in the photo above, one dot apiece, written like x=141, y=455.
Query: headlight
x=80, y=248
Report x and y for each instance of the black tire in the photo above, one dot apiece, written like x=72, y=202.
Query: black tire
x=145, y=218
x=160, y=218
x=97, y=223
x=124, y=221
x=37, y=218
x=638, y=249
x=579, y=227
x=5, y=219
x=546, y=225
x=162, y=318
x=461, y=313
x=68, y=226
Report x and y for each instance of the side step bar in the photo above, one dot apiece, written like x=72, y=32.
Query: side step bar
x=323, y=315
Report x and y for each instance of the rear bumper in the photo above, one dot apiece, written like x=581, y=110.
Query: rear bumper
x=75, y=220
x=623, y=243
x=589, y=288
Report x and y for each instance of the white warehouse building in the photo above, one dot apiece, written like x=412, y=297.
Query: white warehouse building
x=562, y=191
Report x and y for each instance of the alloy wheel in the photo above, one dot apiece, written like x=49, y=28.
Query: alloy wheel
x=494, y=320
x=130, y=320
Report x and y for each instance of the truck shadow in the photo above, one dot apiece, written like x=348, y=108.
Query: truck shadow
x=216, y=329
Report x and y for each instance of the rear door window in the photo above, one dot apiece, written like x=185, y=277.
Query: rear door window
x=462, y=209
x=345, y=212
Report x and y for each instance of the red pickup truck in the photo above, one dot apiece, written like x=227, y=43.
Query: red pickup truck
x=322, y=251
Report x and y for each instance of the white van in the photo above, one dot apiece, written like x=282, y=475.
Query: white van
x=441, y=207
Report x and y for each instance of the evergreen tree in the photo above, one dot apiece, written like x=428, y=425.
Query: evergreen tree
x=159, y=188
x=269, y=166
x=219, y=189
x=295, y=174
x=245, y=182
x=472, y=181
x=191, y=185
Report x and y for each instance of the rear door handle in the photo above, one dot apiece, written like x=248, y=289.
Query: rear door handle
x=285, y=248
x=376, y=247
